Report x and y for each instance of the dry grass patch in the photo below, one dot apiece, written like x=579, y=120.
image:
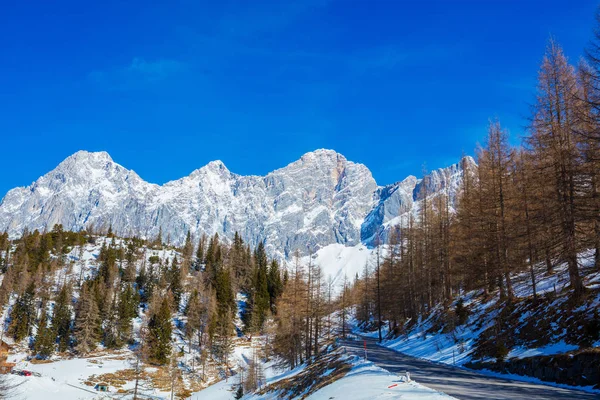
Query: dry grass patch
x=36, y=361
x=116, y=379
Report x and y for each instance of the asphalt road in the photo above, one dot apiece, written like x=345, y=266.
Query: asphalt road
x=460, y=383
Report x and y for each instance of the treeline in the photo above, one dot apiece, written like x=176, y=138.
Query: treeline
x=62, y=303
x=538, y=203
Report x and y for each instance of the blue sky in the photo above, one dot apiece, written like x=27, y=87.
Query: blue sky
x=166, y=87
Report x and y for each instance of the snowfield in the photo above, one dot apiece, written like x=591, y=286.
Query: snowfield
x=64, y=379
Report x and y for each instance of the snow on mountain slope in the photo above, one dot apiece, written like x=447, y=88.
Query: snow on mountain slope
x=318, y=200
x=338, y=261
x=398, y=201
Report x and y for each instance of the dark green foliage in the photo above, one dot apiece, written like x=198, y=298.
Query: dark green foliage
x=44, y=339
x=175, y=285
x=224, y=292
x=145, y=285
x=87, y=322
x=154, y=260
x=259, y=299
x=200, y=252
x=128, y=302
x=264, y=289
x=213, y=260
x=61, y=319
x=239, y=393
x=241, y=264
x=22, y=315
x=274, y=283
x=108, y=263
x=159, y=334
x=110, y=331
x=158, y=240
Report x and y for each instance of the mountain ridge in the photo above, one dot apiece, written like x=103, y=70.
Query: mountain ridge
x=319, y=199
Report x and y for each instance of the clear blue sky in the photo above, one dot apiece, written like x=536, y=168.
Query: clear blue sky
x=165, y=88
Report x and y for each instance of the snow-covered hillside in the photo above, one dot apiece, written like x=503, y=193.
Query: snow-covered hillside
x=319, y=200
x=547, y=326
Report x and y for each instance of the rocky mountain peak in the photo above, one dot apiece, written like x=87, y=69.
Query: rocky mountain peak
x=320, y=199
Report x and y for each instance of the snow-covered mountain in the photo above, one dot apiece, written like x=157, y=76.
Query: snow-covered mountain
x=318, y=200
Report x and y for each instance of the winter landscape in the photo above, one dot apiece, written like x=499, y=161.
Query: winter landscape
x=292, y=273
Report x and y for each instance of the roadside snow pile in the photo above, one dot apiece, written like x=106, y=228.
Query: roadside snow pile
x=367, y=381
x=331, y=376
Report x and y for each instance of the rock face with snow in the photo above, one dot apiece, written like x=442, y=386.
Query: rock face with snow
x=398, y=201
x=313, y=202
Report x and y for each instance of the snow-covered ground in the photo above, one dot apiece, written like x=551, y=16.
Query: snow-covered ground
x=367, y=381
x=62, y=380
x=456, y=347
x=64, y=377
x=337, y=261
x=363, y=381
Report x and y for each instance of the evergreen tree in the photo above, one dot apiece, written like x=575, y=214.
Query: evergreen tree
x=44, y=339
x=261, y=298
x=224, y=291
x=212, y=260
x=23, y=314
x=159, y=334
x=61, y=319
x=274, y=284
x=87, y=322
x=111, y=333
x=200, y=252
x=175, y=284
x=188, y=250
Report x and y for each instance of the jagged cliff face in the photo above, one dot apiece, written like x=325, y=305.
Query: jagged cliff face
x=397, y=202
x=315, y=201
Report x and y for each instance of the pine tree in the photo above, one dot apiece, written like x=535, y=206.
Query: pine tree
x=260, y=298
x=44, y=339
x=87, y=322
x=274, y=284
x=23, y=314
x=175, y=284
x=212, y=260
x=61, y=319
x=200, y=252
x=188, y=250
x=110, y=331
x=159, y=334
